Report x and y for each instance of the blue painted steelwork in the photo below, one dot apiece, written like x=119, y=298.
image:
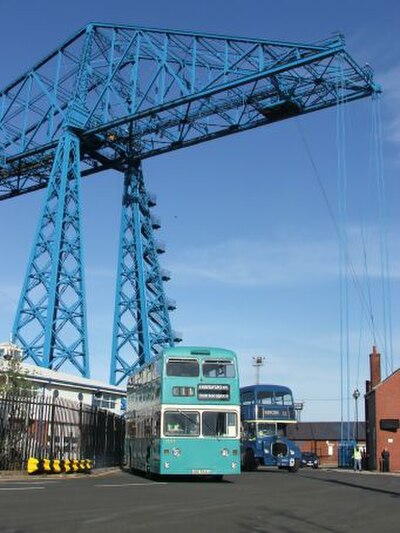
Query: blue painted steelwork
x=142, y=325
x=50, y=323
x=158, y=90
x=111, y=96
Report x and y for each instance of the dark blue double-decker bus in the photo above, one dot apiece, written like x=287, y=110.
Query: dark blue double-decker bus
x=266, y=410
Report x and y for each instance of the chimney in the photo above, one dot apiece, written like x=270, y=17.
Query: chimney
x=375, y=367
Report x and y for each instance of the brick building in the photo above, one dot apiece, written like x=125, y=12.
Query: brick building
x=323, y=438
x=382, y=414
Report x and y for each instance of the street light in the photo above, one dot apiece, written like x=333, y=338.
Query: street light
x=298, y=407
x=356, y=395
x=258, y=362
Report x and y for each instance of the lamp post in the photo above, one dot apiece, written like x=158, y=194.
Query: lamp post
x=298, y=407
x=258, y=362
x=356, y=395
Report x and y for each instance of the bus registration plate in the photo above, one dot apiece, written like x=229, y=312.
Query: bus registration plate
x=199, y=472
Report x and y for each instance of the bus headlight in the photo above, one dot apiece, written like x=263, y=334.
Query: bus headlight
x=224, y=452
x=166, y=465
x=176, y=452
x=234, y=465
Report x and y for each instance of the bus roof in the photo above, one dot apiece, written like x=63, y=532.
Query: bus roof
x=192, y=351
x=265, y=387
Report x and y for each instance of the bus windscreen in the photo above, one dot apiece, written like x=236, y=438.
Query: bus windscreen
x=182, y=423
x=219, y=424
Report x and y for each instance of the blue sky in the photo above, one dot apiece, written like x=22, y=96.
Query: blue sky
x=250, y=244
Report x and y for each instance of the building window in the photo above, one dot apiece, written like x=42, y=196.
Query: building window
x=105, y=401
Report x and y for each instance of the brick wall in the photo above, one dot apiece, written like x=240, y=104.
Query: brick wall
x=327, y=451
x=387, y=406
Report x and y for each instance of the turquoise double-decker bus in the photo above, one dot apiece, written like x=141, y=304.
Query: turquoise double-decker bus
x=183, y=414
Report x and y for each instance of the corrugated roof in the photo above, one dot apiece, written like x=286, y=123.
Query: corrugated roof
x=38, y=373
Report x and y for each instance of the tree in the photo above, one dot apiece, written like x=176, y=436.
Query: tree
x=15, y=410
x=13, y=380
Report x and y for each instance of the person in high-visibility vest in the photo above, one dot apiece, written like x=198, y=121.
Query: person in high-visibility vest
x=357, y=459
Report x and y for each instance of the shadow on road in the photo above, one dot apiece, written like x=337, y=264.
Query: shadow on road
x=177, y=479
x=355, y=485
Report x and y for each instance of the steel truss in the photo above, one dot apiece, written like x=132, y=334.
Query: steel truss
x=141, y=320
x=159, y=90
x=50, y=323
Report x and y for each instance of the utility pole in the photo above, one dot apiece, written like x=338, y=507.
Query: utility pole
x=258, y=362
x=356, y=395
x=298, y=407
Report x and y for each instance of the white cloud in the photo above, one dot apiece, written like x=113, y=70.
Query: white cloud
x=277, y=262
x=253, y=263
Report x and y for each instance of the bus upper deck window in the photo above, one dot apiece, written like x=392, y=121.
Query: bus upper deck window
x=188, y=368
x=283, y=399
x=287, y=399
x=265, y=397
x=218, y=369
x=247, y=397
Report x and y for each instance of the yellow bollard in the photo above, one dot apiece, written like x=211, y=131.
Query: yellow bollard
x=46, y=466
x=55, y=466
x=33, y=466
x=66, y=466
x=75, y=465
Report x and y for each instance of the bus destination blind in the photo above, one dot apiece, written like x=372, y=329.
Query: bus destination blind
x=213, y=392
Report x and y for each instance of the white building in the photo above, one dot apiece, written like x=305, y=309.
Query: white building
x=67, y=386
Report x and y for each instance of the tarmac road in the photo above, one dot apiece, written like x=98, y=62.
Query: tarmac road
x=263, y=501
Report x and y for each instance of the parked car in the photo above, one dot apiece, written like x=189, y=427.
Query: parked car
x=309, y=459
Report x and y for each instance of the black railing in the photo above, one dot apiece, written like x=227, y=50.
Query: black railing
x=55, y=428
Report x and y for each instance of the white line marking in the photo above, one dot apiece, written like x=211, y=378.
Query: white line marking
x=133, y=484
x=22, y=488
x=28, y=483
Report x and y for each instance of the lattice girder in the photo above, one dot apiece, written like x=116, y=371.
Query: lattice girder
x=158, y=90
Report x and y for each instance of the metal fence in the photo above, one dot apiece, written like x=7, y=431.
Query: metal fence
x=55, y=428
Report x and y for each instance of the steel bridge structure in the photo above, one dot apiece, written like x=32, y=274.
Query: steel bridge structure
x=110, y=97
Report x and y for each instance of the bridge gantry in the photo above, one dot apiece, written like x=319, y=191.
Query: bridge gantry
x=110, y=97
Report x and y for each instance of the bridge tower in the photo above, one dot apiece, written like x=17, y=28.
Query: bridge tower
x=142, y=325
x=50, y=323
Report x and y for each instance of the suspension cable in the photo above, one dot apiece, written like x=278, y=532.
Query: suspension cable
x=343, y=249
x=383, y=234
x=365, y=300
